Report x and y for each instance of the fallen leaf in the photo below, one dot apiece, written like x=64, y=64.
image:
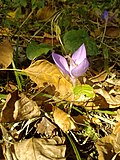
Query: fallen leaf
x=25, y=108
x=18, y=107
x=112, y=32
x=112, y=101
x=45, y=127
x=6, y=54
x=113, y=80
x=43, y=72
x=45, y=13
x=108, y=147
x=37, y=149
x=50, y=39
x=12, y=14
x=9, y=107
x=101, y=76
x=63, y=120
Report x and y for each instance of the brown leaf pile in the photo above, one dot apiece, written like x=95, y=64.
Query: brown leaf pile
x=36, y=148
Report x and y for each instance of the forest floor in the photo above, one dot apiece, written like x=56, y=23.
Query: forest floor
x=59, y=80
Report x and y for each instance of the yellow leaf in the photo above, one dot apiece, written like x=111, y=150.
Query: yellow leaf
x=12, y=14
x=43, y=72
x=57, y=29
x=63, y=120
x=6, y=54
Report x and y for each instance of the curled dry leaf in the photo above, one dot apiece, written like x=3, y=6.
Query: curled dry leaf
x=43, y=72
x=37, y=149
x=45, y=127
x=101, y=76
x=6, y=54
x=8, y=109
x=25, y=108
x=112, y=101
x=108, y=147
x=18, y=108
x=63, y=120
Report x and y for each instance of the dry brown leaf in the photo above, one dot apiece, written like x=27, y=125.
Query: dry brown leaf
x=113, y=80
x=63, y=120
x=112, y=101
x=37, y=149
x=108, y=147
x=6, y=54
x=117, y=128
x=43, y=72
x=45, y=127
x=45, y=13
x=25, y=108
x=113, y=32
x=18, y=108
x=101, y=76
x=1, y=153
x=8, y=109
x=80, y=119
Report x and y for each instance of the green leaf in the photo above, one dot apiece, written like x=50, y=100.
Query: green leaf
x=92, y=49
x=34, y=50
x=74, y=38
x=83, y=92
x=23, y=3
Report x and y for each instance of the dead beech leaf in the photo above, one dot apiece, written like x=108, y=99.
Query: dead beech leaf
x=42, y=72
x=117, y=128
x=45, y=13
x=9, y=107
x=101, y=76
x=25, y=108
x=18, y=108
x=113, y=80
x=112, y=32
x=6, y=54
x=63, y=120
x=37, y=149
x=45, y=127
x=112, y=101
x=108, y=147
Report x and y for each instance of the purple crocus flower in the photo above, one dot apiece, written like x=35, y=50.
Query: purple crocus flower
x=105, y=15
x=78, y=63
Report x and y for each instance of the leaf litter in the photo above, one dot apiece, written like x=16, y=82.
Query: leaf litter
x=50, y=114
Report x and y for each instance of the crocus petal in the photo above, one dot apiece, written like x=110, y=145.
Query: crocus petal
x=81, y=68
x=105, y=15
x=61, y=62
x=79, y=55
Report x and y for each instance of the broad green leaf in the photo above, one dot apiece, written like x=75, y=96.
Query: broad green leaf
x=74, y=38
x=23, y=3
x=34, y=50
x=83, y=92
x=91, y=46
